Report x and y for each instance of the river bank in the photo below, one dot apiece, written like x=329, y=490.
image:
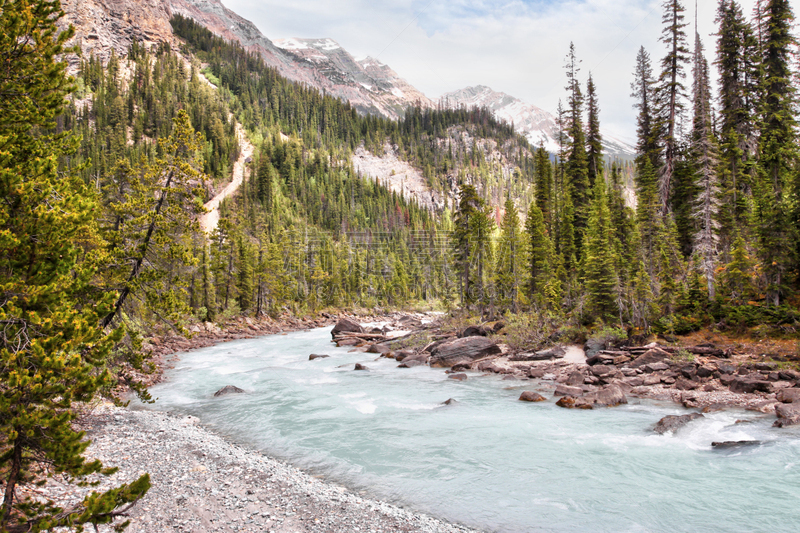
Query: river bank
x=201, y=482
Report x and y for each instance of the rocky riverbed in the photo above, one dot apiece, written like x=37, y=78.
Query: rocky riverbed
x=203, y=483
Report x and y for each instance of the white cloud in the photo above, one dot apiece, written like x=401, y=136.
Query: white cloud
x=514, y=46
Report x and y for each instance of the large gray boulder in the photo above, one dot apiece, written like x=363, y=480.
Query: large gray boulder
x=464, y=350
x=789, y=395
x=346, y=325
x=609, y=396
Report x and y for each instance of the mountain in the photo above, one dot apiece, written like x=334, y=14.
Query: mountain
x=537, y=125
x=370, y=86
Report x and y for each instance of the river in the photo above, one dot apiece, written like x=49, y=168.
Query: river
x=488, y=460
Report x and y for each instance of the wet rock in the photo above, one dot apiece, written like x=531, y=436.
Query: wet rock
x=403, y=354
x=420, y=357
x=573, y=402
x=228, y=389
x=410, y=364
x=566, y=390
x=531, y=396
x=510, y=377
x=674, y=422
x=653, y=355
x=348, y=342
x=314, y=356
x=379, y=348
x=464, y=350
x=609, y=396
x=788, y=415
x=575, y=379
x=450, y=401
x=359, y=366
x=789, y=396
x=728, y=444
x=458, y=377
x=346, y=325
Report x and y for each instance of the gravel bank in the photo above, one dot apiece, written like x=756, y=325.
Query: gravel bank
x=201, y=483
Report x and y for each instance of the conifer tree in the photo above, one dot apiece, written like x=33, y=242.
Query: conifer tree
x=671, y=92
x=599, y=262
x=778, y=187
x=544, y=185
x=737, y=62
x=577, y=166
x=509, y=256
x=540, y=255
x=52, y=350
x=704, y=152
x=594, y=140
x=647, y=127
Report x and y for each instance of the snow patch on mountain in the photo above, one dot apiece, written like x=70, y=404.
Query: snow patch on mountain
x=537, y=125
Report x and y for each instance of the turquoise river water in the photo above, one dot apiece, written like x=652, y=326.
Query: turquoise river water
x=489, y=461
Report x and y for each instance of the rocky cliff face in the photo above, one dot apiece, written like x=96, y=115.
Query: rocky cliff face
x=536, y=125
x=105, y=25
x=370, y=86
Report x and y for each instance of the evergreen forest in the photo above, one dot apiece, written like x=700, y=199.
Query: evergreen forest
x=104, y=174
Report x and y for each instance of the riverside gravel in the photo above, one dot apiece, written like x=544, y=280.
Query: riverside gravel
x=202, y=483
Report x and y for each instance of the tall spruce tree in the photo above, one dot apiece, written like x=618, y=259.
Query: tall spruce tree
x=577, y=165
x=671, y=92
x=52, y=350
x=643, y=91
x=594, y=140
x=737, y=63
x=777, y=191
x=509, y=257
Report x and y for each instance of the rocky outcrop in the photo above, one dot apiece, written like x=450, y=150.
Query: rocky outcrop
x=674, y=422
x=653, y=355
x=789, y=395
x=465, y=350
x=228, y=389
x=557, y=352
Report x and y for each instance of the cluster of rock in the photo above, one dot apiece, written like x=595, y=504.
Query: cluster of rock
x=707, y=378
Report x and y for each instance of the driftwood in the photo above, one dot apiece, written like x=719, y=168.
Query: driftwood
x=350, y=335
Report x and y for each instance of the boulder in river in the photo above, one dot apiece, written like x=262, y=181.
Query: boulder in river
x=458, y=377
x=609, y=396
x=789, y=395
x=379, y=348
x=531, y=396
x=674, y=422
x=450, y=401
x=566, y=390
x=788, y=415
x=346, y=325
x=228, y=389
x=464, y=350
x=317, y=356
x=410, y=363
x=359, y=366
x=728, y=444
x=574, y=402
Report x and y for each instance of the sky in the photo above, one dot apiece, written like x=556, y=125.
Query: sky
x=513, y=46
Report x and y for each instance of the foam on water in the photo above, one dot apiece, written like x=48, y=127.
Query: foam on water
x=490, y=461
